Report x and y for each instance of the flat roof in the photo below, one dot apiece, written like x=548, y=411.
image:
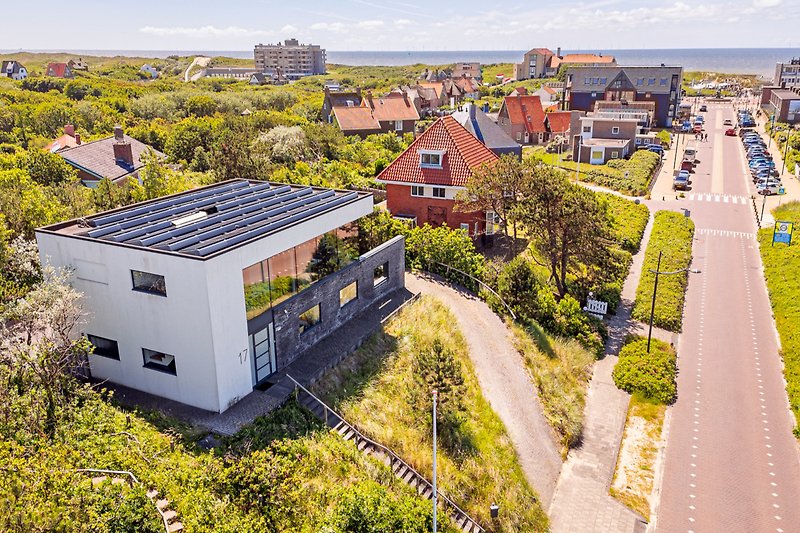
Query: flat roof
x=210, y=220
x=786, y=94
x=609, y=143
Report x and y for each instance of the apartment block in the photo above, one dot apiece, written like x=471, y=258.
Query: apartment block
x=292, y=59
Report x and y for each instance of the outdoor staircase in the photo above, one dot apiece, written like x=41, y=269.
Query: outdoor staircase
x=168, y=516
x=400, y=468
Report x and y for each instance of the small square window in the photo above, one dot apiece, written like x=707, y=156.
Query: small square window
x=464, y=226
x=587, y=129
x=428, y=159
x=309, y=318
x=348, y=294
x=438, y=192
x=149, y=283
x=380, y=274
x=417, y=190
x=104, y=347
x=163, y=362
x=615, y=130
x=614, y=155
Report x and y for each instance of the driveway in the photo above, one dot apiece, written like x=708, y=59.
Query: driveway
x=505, y=382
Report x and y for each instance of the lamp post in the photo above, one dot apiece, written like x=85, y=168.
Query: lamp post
x=578, y=166
x=658, y=272
x=772, y=121
x=677, y=145
x=435, y=494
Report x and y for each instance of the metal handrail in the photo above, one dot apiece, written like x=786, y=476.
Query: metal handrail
x=481, y=283
x=393, y=457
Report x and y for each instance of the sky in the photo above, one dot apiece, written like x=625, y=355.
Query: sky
x=401, y=25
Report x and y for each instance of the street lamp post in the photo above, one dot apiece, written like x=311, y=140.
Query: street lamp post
x=435, y=494
x=677, y=145
x=658, y=272
x=771, y=129
x=578, y=166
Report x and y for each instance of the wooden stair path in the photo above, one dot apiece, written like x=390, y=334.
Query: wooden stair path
x=168, y=516
x=400, y=468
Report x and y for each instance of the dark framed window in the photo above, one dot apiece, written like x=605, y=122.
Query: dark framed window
x=438, y=192
x=380, y=274
x=348, y=293
x=417, y=190
x=149, y=283
x=163, y=362
x=309, y=318
x=104, y=347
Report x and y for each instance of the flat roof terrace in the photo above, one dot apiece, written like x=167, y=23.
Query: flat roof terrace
x=205, y=222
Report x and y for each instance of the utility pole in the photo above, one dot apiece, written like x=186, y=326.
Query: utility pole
x=677, y=145
x=435, y=493
x=653, y=305
x=578, y=167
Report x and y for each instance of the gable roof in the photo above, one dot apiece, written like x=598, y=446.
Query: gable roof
x=59, y=70
x=525, y=110
x=340, y=98
x=559, y=121
x=463, y=154
x=10, y=67
x=97, y=158
x=356, y=119
x=483, y=128
x=61, y=143
x=582, y=59
x=541, y=51
x=393, y=106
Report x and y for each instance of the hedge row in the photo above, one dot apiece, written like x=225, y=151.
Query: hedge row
x=629, y=220
x=639, y=168
x=672, y=235
x=781, y=268
x=652, y=375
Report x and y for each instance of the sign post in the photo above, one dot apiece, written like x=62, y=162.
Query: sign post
x=782, y=232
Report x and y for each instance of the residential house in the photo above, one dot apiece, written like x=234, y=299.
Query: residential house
x=470, y=87
x=80, y=64
x=434, y=75
x=534, y=64
x=393, y=113
x=59, y=70
x=432, y=94
x=468, y=70
x=486, y=131
x=548, y=95
x=560, y=125
x=660, y=85
x=523, y=119
x=452, y=92
x=259, y=78
x=13, y=69
x=519, y=91
x=339, y=98
x=201, y=296
x=293, y=59
x=237, y=73
x=422, y=183
x=600, y=139
x=583, y=60
x=69, y=139
x=150, y=70
x=117, y=158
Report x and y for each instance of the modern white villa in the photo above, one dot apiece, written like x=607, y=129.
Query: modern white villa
x=200, y=296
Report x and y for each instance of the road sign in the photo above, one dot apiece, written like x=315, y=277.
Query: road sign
x=782, y=232
x=781, y=190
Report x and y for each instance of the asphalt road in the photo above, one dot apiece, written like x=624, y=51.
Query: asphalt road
x=731, y=463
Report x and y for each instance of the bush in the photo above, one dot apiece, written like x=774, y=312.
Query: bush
x=639, y=169
x=672, y=236
x=652, y=375
x=628, y=220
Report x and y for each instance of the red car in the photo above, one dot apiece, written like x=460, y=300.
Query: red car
x=697, y=128
x=730, y=132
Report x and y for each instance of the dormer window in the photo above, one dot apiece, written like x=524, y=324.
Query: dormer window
x=430, y=159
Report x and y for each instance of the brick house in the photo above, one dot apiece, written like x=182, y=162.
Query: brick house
x=393, y=113
x=339, y=98
x=522, y=117
x=422, y=183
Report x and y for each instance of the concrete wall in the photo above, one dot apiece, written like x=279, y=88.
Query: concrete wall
x=400, y=202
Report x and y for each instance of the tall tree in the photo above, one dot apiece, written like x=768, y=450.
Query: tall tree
x=569, y=225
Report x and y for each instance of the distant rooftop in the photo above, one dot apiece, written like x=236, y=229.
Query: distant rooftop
x=210, y=220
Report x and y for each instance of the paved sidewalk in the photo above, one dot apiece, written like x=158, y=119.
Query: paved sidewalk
x=581, y=502
x=504, y=381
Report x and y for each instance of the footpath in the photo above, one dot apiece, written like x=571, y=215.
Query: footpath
x=581, y=502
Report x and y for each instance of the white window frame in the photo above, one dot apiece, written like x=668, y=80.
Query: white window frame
x=417, y=190
x=464, y=226
x=614, y=154
x=439, y=192
x=423, y=153
x=398, y=125
x=615, y=130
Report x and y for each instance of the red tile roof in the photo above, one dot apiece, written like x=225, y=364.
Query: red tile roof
x=581, y=59
x=525, y=110
x=463, y=154
x=57, y=70
x=542, y=51
x=60, y=143
x=356, y=119
x=559, y=121
x=393, y=106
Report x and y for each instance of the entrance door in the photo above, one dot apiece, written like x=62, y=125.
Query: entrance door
x=262, y=346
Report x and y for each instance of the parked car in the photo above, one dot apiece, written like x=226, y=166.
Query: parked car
x=703, y=108
x=730, y=132
x=681, y=182
x=657, y=148
x=697, y=128
x=768, y=189
x=728, y=122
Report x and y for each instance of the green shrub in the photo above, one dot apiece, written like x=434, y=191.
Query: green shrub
x=628, y=220
x=652, y=375
x=672, y=236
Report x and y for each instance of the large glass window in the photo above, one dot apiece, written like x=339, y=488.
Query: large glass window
x=150, y=283
x=104, y=347
x=309, y=318
x=163, y=362
x=348, y=293
x=380, y=274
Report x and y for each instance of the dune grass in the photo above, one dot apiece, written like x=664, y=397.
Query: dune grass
x=561, y=370
x=371, y=389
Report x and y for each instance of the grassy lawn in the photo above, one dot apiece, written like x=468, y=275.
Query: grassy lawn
x=782, y=272
x=630, y=220
x=375, y=389
x=672, y=234
x=635, y=472
x=561, y=370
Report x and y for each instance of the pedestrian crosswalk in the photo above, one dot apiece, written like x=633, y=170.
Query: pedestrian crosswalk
x=724, y=233
x=718, y=198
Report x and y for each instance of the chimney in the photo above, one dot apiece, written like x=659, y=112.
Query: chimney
x=69, y=129
x=78, y=138
x=558, y=52
x=123, y=151
x=369, y=98
x=471, y=111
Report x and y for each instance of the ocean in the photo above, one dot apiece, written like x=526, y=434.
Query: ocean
x=759, y=61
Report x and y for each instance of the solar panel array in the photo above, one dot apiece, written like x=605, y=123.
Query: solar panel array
x=232, y=213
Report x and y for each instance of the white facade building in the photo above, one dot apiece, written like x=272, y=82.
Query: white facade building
x=163, y=281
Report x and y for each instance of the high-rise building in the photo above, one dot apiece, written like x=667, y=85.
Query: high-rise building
x=787, y=75
x=292, y=59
